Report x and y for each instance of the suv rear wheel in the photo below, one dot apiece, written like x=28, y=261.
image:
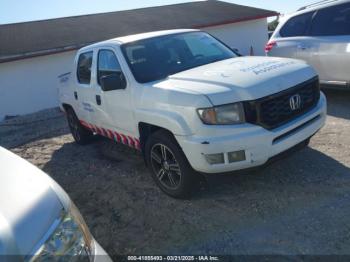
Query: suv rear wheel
x=80, y=134
x=169, y=166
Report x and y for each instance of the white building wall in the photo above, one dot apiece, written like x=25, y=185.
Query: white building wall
x=30, y=85
x=243, y=35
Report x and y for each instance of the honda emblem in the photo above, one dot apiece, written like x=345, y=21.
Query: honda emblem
x=295, y=102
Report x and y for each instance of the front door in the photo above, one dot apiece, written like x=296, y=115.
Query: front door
x=116, y=108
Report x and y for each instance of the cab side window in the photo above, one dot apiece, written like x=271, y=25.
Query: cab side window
x=107, y=65
x=332, y=21
x=84, y=68
x=297, y=26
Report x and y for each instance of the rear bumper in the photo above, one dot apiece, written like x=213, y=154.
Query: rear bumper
x=258, y=143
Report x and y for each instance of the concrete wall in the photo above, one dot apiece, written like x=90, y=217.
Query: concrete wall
x=243, y=35
x=30, y=85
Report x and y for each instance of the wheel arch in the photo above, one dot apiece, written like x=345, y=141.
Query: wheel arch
x=66, y=107
x=146, y=130
x=169, y=120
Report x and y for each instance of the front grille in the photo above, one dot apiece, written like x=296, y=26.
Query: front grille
x=273, y=111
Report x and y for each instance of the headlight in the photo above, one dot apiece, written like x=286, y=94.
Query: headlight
x=70, y=240
x=222, y=115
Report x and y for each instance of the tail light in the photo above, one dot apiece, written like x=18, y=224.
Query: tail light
x=269, y=46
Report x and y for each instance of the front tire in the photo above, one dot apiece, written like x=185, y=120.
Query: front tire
x=169, y=166
x=81, y=135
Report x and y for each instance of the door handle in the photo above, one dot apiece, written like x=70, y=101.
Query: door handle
x=75, y=95
x=98, y=100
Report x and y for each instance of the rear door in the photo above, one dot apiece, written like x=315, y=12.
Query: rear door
x=330, y=44
x=83, y=92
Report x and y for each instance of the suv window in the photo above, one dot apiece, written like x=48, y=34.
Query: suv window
x=330, y=21
x=84, y=68
x=297, y=26
x=107, y=64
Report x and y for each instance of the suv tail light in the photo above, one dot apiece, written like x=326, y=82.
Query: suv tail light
x=269, y=46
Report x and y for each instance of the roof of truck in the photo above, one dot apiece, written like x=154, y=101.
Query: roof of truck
x=132, y=38
x=136, y=37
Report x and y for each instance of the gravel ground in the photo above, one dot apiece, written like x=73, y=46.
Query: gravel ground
x=298, y=205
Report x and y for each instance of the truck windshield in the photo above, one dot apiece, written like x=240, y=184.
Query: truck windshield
x=156, y=58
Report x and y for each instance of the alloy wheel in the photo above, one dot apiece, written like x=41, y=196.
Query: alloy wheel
x=165, y=166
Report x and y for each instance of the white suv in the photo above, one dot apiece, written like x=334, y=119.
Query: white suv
x=189, y=103
x=320, y=35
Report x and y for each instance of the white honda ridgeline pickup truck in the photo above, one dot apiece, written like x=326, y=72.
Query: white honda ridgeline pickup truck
x=190, y=103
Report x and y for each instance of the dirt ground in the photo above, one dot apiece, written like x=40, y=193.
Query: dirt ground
x=298, y=205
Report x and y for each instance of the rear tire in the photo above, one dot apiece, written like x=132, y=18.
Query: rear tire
x=169, y=166
x=81, y=135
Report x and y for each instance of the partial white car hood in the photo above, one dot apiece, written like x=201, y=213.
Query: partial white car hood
x=30, y=201
x=242, y=78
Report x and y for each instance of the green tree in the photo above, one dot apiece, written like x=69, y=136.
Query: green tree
x=273, y=24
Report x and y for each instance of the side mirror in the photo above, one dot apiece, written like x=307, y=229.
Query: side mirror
x=114, y=81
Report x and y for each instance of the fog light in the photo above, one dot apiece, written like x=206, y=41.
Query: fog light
x=214, y=159
x=236, y=156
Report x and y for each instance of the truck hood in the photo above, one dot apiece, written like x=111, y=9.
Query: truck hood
x=241, y=79
x=29, y=204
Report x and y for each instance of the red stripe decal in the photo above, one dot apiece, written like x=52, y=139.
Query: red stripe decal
x=110, y=134
x=99, y=131
x=107, y=133
x=131, y=141
x=84, y=124
x=104, y=132
x=117, y=137
x=120, y=138
x=124, y=140
x=137, y=144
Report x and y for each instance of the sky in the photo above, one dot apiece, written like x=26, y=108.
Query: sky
x=12, y=11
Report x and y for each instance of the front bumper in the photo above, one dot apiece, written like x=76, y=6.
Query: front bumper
x=258, y=143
